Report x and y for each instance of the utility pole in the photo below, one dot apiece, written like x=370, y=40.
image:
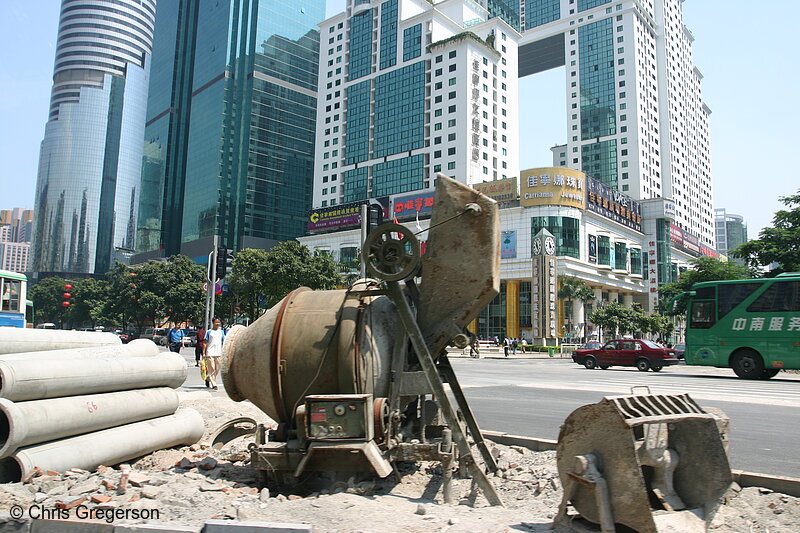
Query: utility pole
x=364, y=229
x=211, y=273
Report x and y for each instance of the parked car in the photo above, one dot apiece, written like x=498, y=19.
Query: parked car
x=680, y=350
x=157, y=335
x=643, y=354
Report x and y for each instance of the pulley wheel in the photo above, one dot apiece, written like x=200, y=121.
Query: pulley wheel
x=392, y=252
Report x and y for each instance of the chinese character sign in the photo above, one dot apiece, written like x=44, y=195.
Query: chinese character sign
x=553, y=186
x=612, y=204
x=499, y=190
x=407, y=207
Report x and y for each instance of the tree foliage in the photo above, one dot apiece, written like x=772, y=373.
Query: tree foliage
x=616, y=319
x=778, y=244
x=703, y=269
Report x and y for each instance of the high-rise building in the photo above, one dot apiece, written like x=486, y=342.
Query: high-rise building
x=19, y=224
x=90, y=161
x=229, y=143
x=635, y=115
x=409, y=88
x=731, y=232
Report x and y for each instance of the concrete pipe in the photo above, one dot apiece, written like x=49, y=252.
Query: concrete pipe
x=323, y=342
x=14, y=340
x=135, y=348
x=106, y=447
x=31, y=379
x=26, y=423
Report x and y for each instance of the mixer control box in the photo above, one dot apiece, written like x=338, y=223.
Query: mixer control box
x=339, y=416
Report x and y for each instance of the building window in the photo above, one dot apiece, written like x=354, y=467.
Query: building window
x=565, y=230
x=451, y=165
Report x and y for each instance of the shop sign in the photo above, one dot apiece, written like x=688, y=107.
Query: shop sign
x=553, y=186
x=612, y=204
x=593, y=248
x=499, y=190
x=413, y=206
x=335, y=217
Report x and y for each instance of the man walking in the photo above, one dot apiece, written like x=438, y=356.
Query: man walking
x=212, y=352
x=175, y=339
x=198, y=347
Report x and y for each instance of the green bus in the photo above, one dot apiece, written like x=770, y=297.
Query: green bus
x=749, y=325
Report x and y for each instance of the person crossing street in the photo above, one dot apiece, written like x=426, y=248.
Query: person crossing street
x=212, y=352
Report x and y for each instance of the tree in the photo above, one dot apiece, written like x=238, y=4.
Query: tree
x=290, y=265
x=703, y=269
x=46, y=298
x=184, y=297
x=246, y=280
x=616, y=318
x=572, y=288
x=778, y=244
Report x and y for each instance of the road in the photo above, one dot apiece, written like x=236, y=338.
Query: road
x=532, y=397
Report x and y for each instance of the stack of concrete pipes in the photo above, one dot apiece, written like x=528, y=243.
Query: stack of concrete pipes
x=73, y=399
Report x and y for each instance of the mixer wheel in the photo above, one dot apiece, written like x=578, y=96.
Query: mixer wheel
x=390, y=257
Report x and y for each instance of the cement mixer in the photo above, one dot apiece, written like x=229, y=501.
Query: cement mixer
x=355, y=378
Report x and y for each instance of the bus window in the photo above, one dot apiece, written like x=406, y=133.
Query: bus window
x=781, y=296
x=10, y=296
x=732, y=294
x=702, y=314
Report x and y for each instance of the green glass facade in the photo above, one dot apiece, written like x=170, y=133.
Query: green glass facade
x=412, y=42
x=229, y=142
x=388, y=43
x=360, y=45
x=492, y=320
x=664, y=265
x=358, y=117
x=400, y=110
x=355, y=184
x=583, y=5
x=603, y=250
x=398, y=176
x=538, y=12
x=636, y=261
x=565, y=230
x=599, y=160
x=507, y=10
x=597, y=88
x=620, y=256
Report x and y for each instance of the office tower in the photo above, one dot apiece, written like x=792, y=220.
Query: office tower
x=90, y=160
x=731, y=231
x=636, y=118
x=229, y=143
x=19, y=222
x=409, y=88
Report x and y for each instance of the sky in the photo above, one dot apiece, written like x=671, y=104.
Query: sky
x=745, y=55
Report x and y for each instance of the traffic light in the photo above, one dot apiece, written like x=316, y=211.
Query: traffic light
x=224, y=262
x=66, y=295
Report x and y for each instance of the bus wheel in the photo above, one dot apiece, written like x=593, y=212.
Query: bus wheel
x=643, y=365
x=590, y=362
x=747, y=364
x=769, y=373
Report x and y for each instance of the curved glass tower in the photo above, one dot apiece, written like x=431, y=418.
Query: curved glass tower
x=91, y=156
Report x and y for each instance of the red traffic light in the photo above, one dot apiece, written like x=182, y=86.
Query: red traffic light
x=65, y=304
x=67, y=287
x=67, y=295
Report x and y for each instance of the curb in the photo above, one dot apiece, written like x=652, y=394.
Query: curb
x=782, y=484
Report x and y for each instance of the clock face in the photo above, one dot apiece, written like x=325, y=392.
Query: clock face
x=549, y=246
x=537, y=247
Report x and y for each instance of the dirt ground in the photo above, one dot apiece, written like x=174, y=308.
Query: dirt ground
x=192, y=484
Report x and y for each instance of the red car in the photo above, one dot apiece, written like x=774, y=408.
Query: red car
x=644, y=355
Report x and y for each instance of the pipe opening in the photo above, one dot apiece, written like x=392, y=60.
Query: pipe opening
x=10, y=470
x=5, y=428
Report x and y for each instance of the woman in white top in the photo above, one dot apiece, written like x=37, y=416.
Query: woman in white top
x=212, y=352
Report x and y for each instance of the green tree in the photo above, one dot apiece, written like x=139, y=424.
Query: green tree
x=290, y=265
x=703, y=269
x=247, y=280
x=616, y=319
x=182, y=282
x=46, y=298
x=572, y=288
x=778, y=244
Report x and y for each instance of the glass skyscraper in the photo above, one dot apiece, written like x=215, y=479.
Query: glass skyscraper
x=90, y=161
x=229, y=143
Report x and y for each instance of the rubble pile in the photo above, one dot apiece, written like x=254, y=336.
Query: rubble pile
x=192, y=484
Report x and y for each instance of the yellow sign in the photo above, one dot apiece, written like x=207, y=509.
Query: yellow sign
x=499, y=190
x=553, y=186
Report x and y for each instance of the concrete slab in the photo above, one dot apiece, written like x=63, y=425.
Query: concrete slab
x=229, y=526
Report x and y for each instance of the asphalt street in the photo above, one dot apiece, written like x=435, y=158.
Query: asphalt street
x=532, y=397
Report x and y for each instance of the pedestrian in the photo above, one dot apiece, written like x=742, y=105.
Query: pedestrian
x=514, y=345
x=212, y=352
x=175, y=339
x=198, y=347
x=506, y=345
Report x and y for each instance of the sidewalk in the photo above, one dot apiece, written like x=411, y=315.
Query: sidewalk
x=497, y=353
